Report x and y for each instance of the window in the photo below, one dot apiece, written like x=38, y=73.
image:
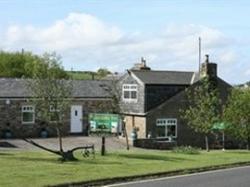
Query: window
x=28, y=114
x=130, y=92
x=54, y=114
x=166, y=128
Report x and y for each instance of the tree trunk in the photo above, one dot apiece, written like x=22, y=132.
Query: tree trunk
x=59, y=139
x=42, y=147
x=125, y=134
x=65, y=156
x=207, y=143
x=68, y=156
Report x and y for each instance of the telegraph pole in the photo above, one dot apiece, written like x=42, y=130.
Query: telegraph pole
x=199, y=55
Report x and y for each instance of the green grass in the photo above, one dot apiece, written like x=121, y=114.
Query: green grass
x=19, y=168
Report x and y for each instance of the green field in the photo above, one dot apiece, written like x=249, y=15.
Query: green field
x=19, y=168
x=81, y=75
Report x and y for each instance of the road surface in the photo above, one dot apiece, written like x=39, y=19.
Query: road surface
x=235, y=177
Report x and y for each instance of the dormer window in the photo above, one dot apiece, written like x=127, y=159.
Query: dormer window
x=129, y=92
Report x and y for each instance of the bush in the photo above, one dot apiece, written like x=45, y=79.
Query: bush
x=186, y=150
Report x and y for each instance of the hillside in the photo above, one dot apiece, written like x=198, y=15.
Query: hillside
x=88, y=75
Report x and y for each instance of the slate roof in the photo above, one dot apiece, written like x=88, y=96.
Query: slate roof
x=10, y=87
x=223, y=86
x=165, y=77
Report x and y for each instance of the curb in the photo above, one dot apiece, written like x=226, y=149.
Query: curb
x=108, y=181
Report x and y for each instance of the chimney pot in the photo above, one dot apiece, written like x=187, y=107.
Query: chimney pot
x=208, y=68
x=141, y=66
x=207, y=58
x=143, y=62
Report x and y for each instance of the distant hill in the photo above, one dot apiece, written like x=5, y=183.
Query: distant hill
x=82, y=75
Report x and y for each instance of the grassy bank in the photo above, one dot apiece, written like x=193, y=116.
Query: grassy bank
x=41, y=168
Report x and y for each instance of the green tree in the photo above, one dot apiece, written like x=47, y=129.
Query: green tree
x=102, y=72
x=52, y=97
x=24, y=64
x=50, y=64
x=237, y=114
x=12, y=64
x=203, y=108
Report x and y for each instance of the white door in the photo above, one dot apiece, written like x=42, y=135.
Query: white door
x=76, y=122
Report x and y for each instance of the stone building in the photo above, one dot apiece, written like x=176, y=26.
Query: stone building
x=18, y=115
x=151, y=102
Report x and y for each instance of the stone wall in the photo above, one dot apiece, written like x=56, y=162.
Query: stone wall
x=137, y=122
x=185, y=135
x=11, y=117
x=91, y=106
x=133, y=107
x=171, y=109
x=153, y=144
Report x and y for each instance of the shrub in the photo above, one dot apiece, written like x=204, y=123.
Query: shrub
x=186, y=150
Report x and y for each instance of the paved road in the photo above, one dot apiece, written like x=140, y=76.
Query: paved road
x=112, y=143
x=235, y=177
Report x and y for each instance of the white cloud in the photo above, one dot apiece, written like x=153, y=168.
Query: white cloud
x=75, y=31
x=86, y=42
x=227, y=57
x=247, y=72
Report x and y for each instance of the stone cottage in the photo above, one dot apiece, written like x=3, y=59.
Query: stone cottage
x=17, y=114
x=151, y=101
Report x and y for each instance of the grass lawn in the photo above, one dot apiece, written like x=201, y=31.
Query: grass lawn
x=19, y=168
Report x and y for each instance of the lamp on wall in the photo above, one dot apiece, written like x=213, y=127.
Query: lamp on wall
x=7, y=101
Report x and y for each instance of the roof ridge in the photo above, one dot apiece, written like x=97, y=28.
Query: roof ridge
x=84, y=80
x=174, y=71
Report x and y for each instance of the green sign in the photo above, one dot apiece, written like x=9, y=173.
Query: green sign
x=104, y=122
x=219, y=126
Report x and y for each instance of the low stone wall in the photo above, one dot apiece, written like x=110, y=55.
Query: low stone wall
x=154, y=144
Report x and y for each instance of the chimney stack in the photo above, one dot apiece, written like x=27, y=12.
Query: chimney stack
x=141, y=66
x=208, y=69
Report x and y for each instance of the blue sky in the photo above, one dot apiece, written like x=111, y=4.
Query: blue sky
x=115, y=34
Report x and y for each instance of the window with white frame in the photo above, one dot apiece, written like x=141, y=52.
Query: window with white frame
x=166, y=128
x=28, y=114
x=129, y=92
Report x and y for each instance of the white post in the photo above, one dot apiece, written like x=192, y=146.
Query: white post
x=223, y=140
